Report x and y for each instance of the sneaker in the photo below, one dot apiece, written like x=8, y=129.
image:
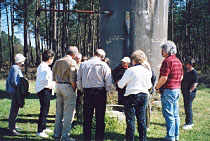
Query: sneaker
x=69, y=139
x=47, y=130
x=176, y=138
x=15, y=133
x=17, y=128
x=166, y=138
x=187, y=127
x=42, y=134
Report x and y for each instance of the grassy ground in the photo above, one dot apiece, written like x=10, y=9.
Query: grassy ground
x=28, y=117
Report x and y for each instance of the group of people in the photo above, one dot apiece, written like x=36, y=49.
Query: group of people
x=88, y=82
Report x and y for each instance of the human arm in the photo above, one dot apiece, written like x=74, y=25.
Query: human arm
x=79, y=77
x=124, y=80
x=160, y=83
x=107, y=78
x=194, y=85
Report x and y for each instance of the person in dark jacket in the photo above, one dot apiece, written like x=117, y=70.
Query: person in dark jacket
x=13, y=80
x=188, y=87
x=117, y=74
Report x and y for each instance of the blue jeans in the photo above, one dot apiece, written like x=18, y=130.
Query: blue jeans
x=188, y=99
x=170, y=110
x=94, y=98
x=135, y=105
x=44, y=99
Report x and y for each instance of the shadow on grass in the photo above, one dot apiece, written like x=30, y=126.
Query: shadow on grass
x=34, y=115
x=159, y=124
x=27, y=120
x=5, y=135
x=4, y=94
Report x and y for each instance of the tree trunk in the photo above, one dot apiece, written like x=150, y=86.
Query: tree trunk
x=46, y=19
x=37, y=34
x=58, y=31
x=10, y=54
x=0, y=42
x=26, y=35
x=188, y=28
x=12, y=28
x=54, y=30
x=64, y=29
x=31, y=49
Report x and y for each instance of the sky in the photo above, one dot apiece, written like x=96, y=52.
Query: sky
x=18, y=31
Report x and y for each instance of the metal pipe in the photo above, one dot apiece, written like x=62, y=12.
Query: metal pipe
x=78, y=11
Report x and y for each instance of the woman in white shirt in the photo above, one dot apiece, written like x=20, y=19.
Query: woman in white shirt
x=137, y=80
x=44, y=89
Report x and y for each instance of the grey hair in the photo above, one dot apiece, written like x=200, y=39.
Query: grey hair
x=79, y=55
x=72, y=50
x=169, y=47
x=100, y=53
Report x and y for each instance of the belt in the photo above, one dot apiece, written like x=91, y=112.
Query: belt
x=95, y=88
x=64, y=82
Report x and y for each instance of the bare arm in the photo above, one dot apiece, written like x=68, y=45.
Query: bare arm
x=194, y=85
x=160, y=83
x=74, y=85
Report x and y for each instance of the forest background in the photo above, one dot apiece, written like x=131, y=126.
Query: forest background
x=189, y=28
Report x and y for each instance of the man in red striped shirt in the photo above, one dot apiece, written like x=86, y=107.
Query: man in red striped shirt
x=168, y=86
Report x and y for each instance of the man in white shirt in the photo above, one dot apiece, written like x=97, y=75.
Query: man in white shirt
x=94, y=79
x=44, y=86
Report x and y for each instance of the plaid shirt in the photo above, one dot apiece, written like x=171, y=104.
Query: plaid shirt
x=172, y=68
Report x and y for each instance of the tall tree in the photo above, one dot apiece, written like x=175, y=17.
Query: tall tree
x=37, y=33
x=13, y=30
x=8, y=30
x=0, y=40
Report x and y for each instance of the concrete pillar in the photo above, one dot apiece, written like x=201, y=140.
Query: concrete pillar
x=135, y=24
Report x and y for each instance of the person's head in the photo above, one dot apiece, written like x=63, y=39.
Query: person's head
x=84, y=58
x=189, y=62
x=106, y=60
x=125, y=61
x=72, y=51
x=138, y=57
x=19, y=59
x=168, y=48
x=78, y=58
x=100, y=53
x=48, y=56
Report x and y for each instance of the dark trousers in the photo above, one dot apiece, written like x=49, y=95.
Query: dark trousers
x=79, y=106
x=121, y=98
x=94, y=98
x=188, y=99
x=44, y=99
x=13, y=112
x=135, y=106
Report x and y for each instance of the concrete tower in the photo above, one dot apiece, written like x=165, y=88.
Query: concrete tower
x=134, y=24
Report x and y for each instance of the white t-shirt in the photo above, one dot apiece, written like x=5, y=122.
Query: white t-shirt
x=44, y=78
x=137, y=79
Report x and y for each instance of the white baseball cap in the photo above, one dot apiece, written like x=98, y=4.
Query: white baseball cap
x=126, y=60
x=19, y=58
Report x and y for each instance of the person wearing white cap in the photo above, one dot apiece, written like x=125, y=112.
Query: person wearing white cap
x=12, y=82
x=117, y=74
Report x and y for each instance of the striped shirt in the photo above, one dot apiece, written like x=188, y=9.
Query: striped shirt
x=172, y=68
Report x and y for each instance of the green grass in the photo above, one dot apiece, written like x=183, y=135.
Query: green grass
x=28, y=117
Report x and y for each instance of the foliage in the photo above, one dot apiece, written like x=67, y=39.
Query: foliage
x=115, y=130
x=191, y=30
